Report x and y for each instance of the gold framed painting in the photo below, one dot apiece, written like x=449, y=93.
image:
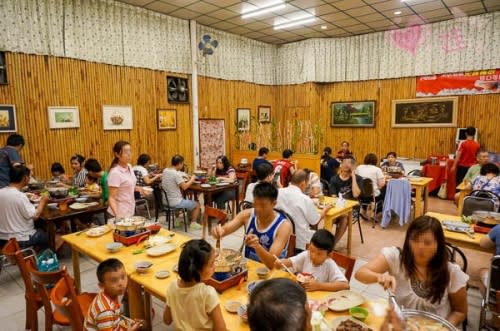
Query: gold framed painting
x=167, y=119
x=425, y=112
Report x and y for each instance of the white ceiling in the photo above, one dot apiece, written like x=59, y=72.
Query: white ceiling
x=342, y=18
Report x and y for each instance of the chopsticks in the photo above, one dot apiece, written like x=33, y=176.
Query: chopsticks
x=285, y=267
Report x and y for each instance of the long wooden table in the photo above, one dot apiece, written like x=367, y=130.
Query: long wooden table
x=335, y=212
x=140, y=304
x=208, y=192
x=421, y=186
x=464, y=191
x=457, y=238
x=51, y=216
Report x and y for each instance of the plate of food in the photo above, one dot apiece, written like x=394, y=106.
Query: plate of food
x=82, y=205
x=98, y=231
x=157, y=240
x=206, y=185
x=222, y=184
x=347, y=323
x=420, y=320
x=161, y=250
x=35, y=198
x=343, y=300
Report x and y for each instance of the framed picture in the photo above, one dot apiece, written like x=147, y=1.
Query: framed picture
x=424, y=112
x=264, y=114
x=64, y=117
x=353, y=114
x=8, y=118
x=243, y=119
x=167, y=119
x=117, y=117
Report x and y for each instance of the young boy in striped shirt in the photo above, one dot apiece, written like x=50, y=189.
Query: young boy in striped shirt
x=104, y=312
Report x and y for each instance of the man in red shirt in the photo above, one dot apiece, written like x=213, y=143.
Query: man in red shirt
x=466, y=154
x=285, y=167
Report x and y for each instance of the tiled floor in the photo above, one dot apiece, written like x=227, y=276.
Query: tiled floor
x=12, y=304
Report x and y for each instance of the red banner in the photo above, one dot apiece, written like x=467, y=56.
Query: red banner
x=462, y=83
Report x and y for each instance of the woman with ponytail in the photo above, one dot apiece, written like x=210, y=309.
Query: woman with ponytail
x=122, y=182
x=190, y=303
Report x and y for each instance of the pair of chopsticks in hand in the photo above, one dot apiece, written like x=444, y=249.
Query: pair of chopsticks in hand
x=285, y=267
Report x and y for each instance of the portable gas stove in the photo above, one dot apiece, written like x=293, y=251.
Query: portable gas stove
x=221, y=281
x=131, y=237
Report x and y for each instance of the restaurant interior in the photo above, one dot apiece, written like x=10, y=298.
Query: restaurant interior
x=204, y=78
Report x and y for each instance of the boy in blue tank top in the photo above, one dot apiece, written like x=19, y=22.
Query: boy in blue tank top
x=266, y=231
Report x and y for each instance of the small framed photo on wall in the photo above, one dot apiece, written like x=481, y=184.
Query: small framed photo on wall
x=64, y=117
x=167, y=119
x=264, y=114
x=243, y=119
x=8, y=118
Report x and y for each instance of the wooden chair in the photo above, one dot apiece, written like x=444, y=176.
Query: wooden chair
x=243, y=179
x=345, y=262
x=211, y=212
x=68, y=304
x=292, y=241
x=43, y=282
x=13, y=252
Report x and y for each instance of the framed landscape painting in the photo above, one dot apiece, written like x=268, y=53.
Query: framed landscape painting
x=167, y=119
x=64, y=117
x=8, y=118
x=355, y=114
x=424, y=112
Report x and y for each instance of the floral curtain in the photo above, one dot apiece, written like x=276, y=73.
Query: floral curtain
x=112, y=32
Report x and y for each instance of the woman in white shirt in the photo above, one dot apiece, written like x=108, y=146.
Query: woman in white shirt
x=370, y=170
x=420, y=275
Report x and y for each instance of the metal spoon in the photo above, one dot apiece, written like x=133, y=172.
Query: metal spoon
x=397, y=309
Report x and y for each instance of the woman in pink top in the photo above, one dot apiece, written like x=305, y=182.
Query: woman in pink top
x=122, y=182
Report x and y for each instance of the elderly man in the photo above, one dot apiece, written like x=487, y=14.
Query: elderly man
x=301, y=208
x=18, y=214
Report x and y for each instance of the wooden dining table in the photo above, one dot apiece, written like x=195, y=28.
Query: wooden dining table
x=209, y=191
x=421, y=187
x=141, y=287
x=50, y=217
x=336, y=212
x=457, y=238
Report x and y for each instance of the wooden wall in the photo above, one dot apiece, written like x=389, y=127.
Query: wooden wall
x=312, y=101
x=36, y=82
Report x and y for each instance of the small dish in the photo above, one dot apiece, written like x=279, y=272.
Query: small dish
x=242, y=313
x=262, y=272
x=154, y=228
x=142, y=266
x=358, y=313
x=206, y=185
x=114, y=247
x=304, y=277
x=232, y=306
x=80, y=199
x=162, y=274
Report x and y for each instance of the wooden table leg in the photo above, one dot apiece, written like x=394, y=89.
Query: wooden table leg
x=51, y=231
x=136, y=303
x=148, y=318
x=75, y=258
x=418, y=201
x=237, y=198
x=349, y=232
x=426, y=199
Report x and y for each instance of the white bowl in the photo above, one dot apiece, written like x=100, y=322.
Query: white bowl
x=114, y=247
x=81, y=199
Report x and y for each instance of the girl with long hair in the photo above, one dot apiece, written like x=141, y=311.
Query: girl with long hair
x=420, y=274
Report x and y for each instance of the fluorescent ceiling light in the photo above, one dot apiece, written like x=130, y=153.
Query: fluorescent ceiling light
x=272, y=6
x=397, y=12
x=324, y=27
x=296, y=22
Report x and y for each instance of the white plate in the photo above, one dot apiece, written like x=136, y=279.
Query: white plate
x=162, y=274
x=82, y=205
x=158, y=240
x=97, y=232
x=206, y=185
x=222, y=184
x=161, y=250
x=334, y=324
x=343, y=300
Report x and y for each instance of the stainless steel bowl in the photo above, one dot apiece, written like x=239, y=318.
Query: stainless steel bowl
x=129, y=223
x=58, y=192
x=423, y=314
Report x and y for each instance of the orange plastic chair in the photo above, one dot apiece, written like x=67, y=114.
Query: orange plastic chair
x=13, y=252
x=68, y=304
x=345, y=262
